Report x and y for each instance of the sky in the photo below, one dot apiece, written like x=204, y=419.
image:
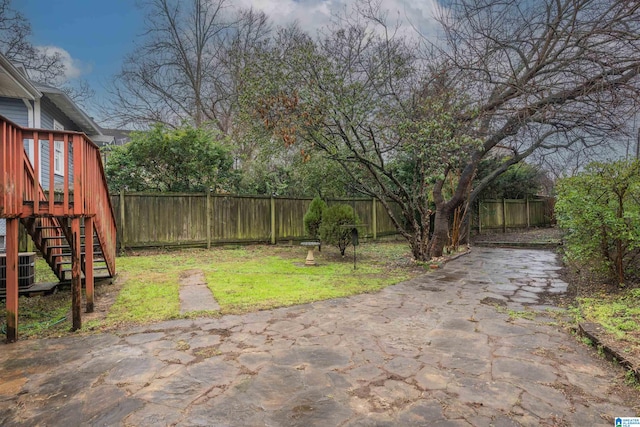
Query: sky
x=93, y=36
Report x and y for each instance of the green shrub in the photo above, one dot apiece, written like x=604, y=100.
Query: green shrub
x=333, y=228
x=600, y=211
x=313, y=218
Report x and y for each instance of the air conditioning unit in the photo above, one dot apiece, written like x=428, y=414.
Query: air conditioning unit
x=26, y=270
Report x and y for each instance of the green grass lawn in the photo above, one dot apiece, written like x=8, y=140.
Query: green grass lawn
x=619, y=314
x=255, y=277
x=242, y=279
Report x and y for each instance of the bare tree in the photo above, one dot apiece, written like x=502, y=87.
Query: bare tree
x=541, y=76
x=185, y=67
x=15, y=31
x=354, y=96
x=43, y=66
x=508, y=77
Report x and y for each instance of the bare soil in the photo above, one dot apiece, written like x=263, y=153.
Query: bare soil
x=105, y=295
x=533, y=236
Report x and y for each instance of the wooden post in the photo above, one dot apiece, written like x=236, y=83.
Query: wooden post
x=504, y=215
x=76, y=275
x=11, y=278
x=273, y=221
x=65, y=196
x=79, y=175
x=374, y=219
x=479, y=217
x=36, y=173
x=122, y=225
x=208, y=214
x=88, y=262
x=528, y=213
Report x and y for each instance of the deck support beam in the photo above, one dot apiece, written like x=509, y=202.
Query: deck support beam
x=76, y=275
x=88, y=262
x=12, y=226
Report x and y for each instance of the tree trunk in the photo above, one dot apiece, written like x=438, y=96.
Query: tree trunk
x=420, y=244
x=440, y=232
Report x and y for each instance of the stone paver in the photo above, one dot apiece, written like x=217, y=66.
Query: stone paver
x=195, y=295
x=436, y=350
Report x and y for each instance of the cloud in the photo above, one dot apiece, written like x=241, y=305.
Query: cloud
x=74, y=68
x=313, y=15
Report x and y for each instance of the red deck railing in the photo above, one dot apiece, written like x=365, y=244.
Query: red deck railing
x=81, y=191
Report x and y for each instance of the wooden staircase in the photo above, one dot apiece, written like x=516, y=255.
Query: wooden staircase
x=52, y=242
x=70, y=219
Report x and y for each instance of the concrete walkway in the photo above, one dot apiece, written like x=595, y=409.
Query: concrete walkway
x=428, y=352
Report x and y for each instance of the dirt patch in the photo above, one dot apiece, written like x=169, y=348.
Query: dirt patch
x=531, y=236
x=493, y=301
x=193, y=277
x=105, y=296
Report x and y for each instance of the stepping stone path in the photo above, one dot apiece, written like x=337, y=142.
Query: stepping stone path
x=195, y=295
x=425, y=352
x=529, y=277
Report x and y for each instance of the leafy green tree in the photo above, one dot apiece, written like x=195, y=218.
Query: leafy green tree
x=183, y=159
x=335, y=229
x=600, y=211
x=284, y=171
x=313, y=218
x=519, y=181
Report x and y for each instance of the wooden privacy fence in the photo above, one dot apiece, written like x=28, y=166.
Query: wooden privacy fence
x=202, y=219
x=510, y=213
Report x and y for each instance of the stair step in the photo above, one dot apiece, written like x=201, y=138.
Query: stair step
x=68, y=254
x=100, y=267
x=47, y=238
x=98, y=258
x=69, y=262
x=96, y=245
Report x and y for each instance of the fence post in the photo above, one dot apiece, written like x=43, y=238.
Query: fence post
x=273, y=221
x=122, y=224
x=504, y=215
x=374, y=219
x=528, y=213
x=479, y=217
x=208, y=215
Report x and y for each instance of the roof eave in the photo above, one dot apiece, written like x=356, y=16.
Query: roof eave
x=75, y=113
x=32, y=93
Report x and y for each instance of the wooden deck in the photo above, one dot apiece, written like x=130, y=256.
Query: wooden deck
x=73, y=212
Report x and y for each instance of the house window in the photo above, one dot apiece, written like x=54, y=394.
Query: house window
x=58, y=156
